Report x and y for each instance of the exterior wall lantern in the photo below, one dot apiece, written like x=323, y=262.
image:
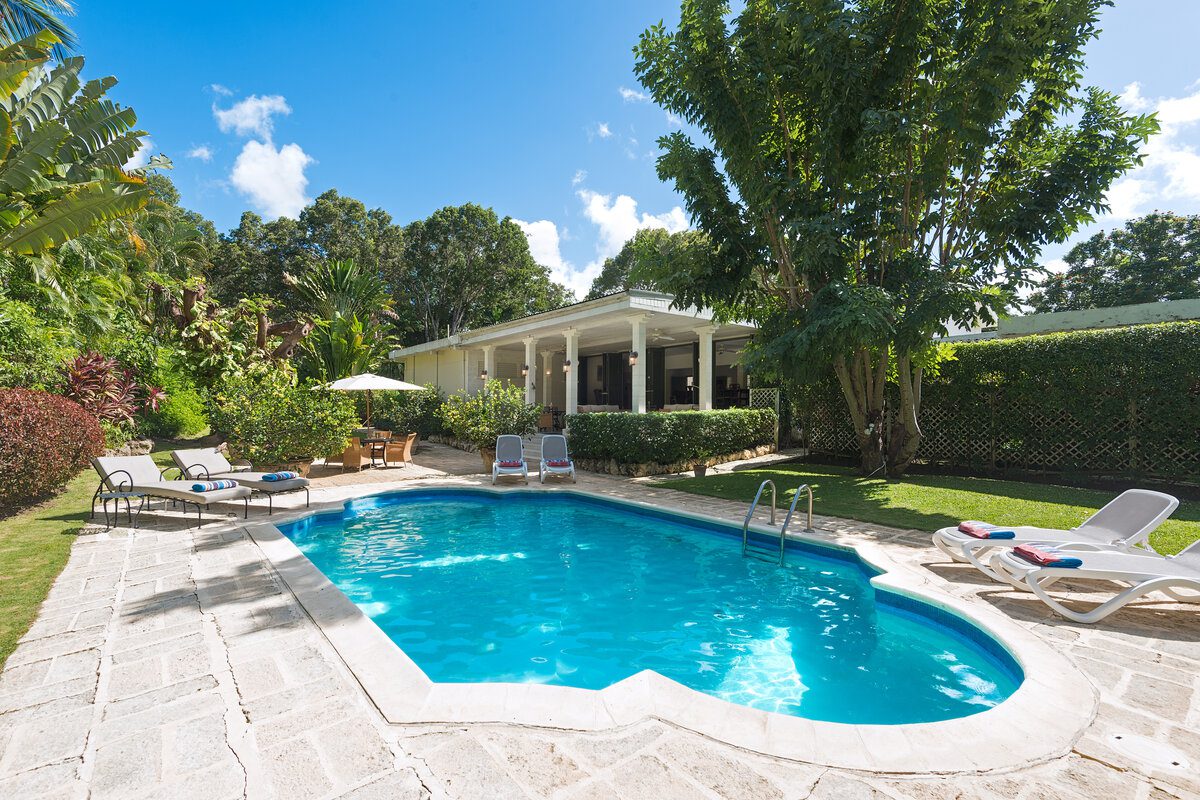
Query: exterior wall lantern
x=633, y=356
x=525, y=371
x=483, y=374
x=567, y=365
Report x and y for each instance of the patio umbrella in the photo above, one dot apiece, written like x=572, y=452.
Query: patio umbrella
x=367, y=382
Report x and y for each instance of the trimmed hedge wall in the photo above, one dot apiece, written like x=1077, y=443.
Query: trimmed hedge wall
x=45, y=440
x=669, y=437
x=1123, y=401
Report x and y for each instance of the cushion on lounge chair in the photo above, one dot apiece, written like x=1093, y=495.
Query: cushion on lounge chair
x=283, y=475
x=212, y=486
x=558, y=463
x=1046, y=556
x=982, y=530
x=509, y=464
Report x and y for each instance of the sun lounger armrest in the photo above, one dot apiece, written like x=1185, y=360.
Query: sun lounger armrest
x=203, y=472
x=118, y=486
x=162, y=473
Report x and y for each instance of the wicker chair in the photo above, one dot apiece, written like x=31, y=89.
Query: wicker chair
x=399, y=451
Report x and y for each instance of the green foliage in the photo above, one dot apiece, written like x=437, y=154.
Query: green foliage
x=494, y=410
x=1118, y=401
x=62, y=148
x=669, y=437
x=871, y=170
x=349, y=304
x=344, y=346
x=22, y=18
x=270, y=420
x=464, y=268
x=1153, y=258
x=182, y=415
x=31, y=352
x=409, y=412
x=648, y=259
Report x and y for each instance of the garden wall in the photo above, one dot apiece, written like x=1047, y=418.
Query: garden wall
x=1122, y=401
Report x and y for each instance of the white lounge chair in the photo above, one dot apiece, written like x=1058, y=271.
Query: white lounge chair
x=209, y=463
x=510, y=458
x=139, y=474
x=555, y=460
x=1125, y=523
x=1143, y=572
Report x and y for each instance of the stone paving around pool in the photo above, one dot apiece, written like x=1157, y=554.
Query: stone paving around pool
x=173, y=663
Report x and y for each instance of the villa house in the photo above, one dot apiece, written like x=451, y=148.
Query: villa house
x=629, y=351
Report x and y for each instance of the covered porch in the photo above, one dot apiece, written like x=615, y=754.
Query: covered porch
x=625, y=352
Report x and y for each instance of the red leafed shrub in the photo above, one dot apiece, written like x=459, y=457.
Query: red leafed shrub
x=44, y=440
x=109, y=391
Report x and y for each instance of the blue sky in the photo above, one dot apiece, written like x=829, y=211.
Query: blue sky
x=531, y=108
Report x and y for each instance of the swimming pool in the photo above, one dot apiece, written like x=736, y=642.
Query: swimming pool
x=572, y=590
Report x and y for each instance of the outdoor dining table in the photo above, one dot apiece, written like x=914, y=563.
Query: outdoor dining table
x=377, y=444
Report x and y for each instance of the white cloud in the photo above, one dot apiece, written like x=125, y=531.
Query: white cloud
x=221, y=90
x=273, y=179
x=141, y=156
x=633, y=96
x=673, y=120
x=202, y=152
x=544, y=239
x=1169, y=178
x=618, y=220
x=251, y=116
x=602, y=130
x=579, y=177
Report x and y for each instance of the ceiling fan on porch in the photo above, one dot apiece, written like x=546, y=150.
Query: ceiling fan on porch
x=656, y=333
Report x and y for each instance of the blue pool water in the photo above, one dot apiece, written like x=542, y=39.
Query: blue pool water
x=576, y=591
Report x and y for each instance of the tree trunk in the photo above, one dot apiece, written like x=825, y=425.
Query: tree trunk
x=863, y=381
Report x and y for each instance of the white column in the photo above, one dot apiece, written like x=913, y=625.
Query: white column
x=531, y=368
x=706, y=366
x=638, y=345
x=489, y=361
x=546, y=376
x=571, y=404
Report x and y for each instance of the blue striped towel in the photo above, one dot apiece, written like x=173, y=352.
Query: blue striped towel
x=285, y=475
x=212, y=486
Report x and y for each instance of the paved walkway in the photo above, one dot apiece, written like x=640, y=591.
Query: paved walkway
x=172, y=663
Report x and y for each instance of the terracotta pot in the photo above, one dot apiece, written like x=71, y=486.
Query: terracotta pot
x=700, y=469
x=488, y=455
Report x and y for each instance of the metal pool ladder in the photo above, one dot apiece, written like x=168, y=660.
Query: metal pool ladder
x=758, y=551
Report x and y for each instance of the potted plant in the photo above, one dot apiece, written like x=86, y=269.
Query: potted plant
x=479, y=418
x=700, y=460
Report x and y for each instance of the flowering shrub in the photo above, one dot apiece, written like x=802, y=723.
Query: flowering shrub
x=44, y=440
x=113, y=394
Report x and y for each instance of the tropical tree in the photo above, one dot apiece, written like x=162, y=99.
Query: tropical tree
x=463, y=267
x=1150, y=259
x=349, y=307
x=63, y=146
x=23, y=18
x=874, y=169
x=645, y=260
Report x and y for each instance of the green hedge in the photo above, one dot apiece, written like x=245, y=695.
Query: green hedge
x=669, y=437
x=1123, y=401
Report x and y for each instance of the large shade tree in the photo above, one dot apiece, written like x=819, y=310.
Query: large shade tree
x=464, y=267
x=650, y=253
x=1151, y=259
x=873, y=169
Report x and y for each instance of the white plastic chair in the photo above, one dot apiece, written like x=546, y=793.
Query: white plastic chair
x=554, y=454
x=509, y=454
x=1144, y=572
x=1122, y=525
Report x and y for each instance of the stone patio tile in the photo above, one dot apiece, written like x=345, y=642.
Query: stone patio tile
x=82, y=690
x=537, y=763
x=299, y=721
x=606, y=750
x=191, y=707
x=126, y=767
x=25, y=676
x=258, y=678
x=839, y=786
x=303, y=664
x=196, y=744
x=188, y=662
x=464, y=769
x=1164, y=698
x=295, y=770
x=41, y=781
x=647, y=778
x=57, y=645
x=271, y=705
x=708, y=766
x=353, y=751
x=124, y=642
x=402, y=785
x=159, y=697
x=46, y=739
x=223, y=782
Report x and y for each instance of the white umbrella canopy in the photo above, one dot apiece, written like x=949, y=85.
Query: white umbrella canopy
x=367, y=382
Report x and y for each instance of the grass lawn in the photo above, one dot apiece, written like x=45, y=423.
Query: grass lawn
x=34, y=547
x=929, y=502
